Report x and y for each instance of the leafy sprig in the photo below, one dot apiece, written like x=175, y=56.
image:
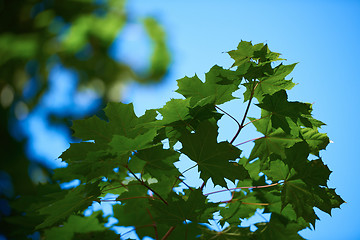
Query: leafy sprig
x=127, y=155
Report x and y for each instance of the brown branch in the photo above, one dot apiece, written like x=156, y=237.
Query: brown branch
x=168, y=233
x=245, y=114
x=148, y=187
x=155, y=227
x=258, y=204
x=232, y=119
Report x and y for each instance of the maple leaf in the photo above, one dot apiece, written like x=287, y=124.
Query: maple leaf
x=159, y=164
x=212, y=158
x=178, y=209
x=77, y=199
x=76, y=225
x=316, y=140
x=241, y=206
x=87, y=161
x=217, y=89
x=301, y=197
x=269, y=81
x=274, y=142
x=277, y=230
x=283, y=111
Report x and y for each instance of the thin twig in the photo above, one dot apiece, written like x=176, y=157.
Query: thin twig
x=168, y=233
x=154, y=223
x=245, y=114
x=139, y=227
x=231, y=189
x=181, y=174
x=148, y=187
x=231, y=118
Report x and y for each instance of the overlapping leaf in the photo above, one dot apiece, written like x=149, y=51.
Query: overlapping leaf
x=79, y=225
x=75, y=200
x=272, y=82
x=283, y=111
x=177, y=210
x=215, y=160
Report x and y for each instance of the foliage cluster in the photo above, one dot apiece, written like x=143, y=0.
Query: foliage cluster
x=133, y=157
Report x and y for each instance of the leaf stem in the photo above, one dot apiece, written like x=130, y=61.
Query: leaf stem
x=148, y=187
x=231, y=189
x=258, y=119
x=168, y=233
x=249, y=141
x=237, y=122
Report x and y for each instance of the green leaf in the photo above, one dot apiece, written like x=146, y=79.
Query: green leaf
x=241, y=206
x=76, y=200
x=77, y=225
x=275, y=142
x=175, y=110
x=159, y=164
x=317, y=141
x=180, y=209
x=92, y=128
x=217, y=89
x=300, y=196
x=121, y=145
x=88, y=161
x=283, y=111
x=278, y=170
x=327, y=199
x=215, y=160
x=270, y=84
x=276, y=230
x=247, y=53
x=135, y=209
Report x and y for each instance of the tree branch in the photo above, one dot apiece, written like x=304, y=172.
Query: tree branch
x=245, y=114
x=168, y=233
x=155, y=227
x=232, y=119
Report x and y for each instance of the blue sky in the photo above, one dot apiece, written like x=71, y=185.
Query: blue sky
x=321, y=35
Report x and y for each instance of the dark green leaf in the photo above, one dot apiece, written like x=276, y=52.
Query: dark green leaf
x=213, y=158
